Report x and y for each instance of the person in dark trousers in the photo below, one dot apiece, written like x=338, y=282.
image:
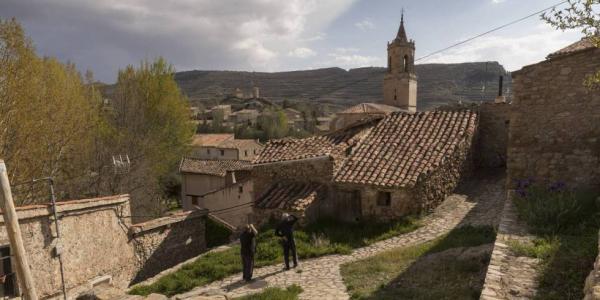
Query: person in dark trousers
x=247, y=250
x=285, y=230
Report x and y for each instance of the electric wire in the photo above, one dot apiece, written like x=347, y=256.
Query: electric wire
x=490, y=31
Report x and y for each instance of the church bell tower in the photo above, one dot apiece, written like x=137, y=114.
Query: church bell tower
x=400, y=80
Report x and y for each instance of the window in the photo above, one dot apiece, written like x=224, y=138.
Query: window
x=194, y=200
x=406, y=63
x=222, y=152
x=395, y=97
x=207, y=151
x=245, y=152
x=241, y=189
x=384, y=199
x=7, y=288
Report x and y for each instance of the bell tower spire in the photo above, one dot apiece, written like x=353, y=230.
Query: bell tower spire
x=400, y=81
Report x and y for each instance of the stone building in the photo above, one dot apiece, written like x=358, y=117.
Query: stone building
x=383, y=167
x=224, y=147
x=221, y=110
x=99, y=245
x=218, y=186
x=245, y=117
x=400, y=81
x=555, y=123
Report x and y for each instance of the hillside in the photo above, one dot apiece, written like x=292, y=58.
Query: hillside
x=438, y=84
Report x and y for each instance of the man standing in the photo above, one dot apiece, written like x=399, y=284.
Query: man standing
x=285, y=230
x=247, y=249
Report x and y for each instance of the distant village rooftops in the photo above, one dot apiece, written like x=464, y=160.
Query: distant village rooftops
x=212, y=167
x=239, y=144
x=404, y=146
x=581, y=45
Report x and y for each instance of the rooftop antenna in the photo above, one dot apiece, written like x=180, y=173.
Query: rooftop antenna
x=121, y=164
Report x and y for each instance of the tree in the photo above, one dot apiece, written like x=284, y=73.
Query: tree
x=583, y=15
x=153, y=127
x=46, y=116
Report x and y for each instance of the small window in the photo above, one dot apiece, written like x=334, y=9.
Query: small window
x=194, y=200
x=246, y=152
x=222, y=152
x=207, y=151
x=241, y=189
x=7, y=287
x=384, y=199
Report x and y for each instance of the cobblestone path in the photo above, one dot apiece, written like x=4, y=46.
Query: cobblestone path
x=478, y=203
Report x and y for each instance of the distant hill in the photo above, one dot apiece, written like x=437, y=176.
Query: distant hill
x=438, y=84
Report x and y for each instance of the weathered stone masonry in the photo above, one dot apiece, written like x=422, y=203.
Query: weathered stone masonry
x=555, y=126
x=99, y=242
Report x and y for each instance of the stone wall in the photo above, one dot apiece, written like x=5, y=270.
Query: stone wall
x=431, y=189
x=318, y=169
x=96, y=243
x=493, y=134
x=164, y=242
x=232, y=203
x=555, y=124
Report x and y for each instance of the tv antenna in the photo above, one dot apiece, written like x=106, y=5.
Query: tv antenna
x=121, y=164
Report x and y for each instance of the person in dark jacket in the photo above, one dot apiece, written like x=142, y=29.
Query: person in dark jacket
x=247, y=250
x=285, y=230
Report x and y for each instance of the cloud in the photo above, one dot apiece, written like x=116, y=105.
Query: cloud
x=302, y=52
x=497, y=1
x=365, y=25
x=511, y=51
x=192, y=34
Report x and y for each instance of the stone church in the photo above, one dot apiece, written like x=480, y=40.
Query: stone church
x=399, y=85
x=400, y=81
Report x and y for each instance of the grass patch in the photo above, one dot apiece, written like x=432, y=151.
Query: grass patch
x=539, y=248
x=273, y=293
x=567, y=219
x=216, y=234
x=423, y=271
x=566, y=260
x=322, y=238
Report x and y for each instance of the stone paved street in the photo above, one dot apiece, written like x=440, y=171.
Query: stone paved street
x=478, y=202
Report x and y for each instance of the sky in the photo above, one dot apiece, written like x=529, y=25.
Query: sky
x=279, y=35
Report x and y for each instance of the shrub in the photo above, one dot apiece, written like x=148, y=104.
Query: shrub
x=216, y=234
x=553, y=208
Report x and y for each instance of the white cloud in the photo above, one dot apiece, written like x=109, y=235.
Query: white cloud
x=192, y=34
x=365, y=25
x=302, y=52
x=511, y=51
x=497, y=1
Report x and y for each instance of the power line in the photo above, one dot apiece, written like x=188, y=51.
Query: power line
x=492, y=30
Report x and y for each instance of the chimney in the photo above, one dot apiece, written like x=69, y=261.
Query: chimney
x=500, y=98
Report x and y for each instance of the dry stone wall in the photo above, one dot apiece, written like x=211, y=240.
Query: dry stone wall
x=311, y=170
x=555, y=124
x=494, y=119
x=98, y=242
x=433, y=188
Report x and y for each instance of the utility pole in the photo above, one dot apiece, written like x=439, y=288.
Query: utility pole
x=11, y=221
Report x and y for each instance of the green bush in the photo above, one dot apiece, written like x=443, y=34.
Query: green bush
x=553, y=209
x=216, y=234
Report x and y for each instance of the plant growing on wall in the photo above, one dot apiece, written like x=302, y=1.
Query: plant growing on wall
x=583, y=15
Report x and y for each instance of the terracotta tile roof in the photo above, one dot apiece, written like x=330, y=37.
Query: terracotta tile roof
x=403, y=146
x=211, y=140
x=238, y=144
x=294, y=196
x=583, y=44
x=370, y=108
x=212, y=167
x=333, y=144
